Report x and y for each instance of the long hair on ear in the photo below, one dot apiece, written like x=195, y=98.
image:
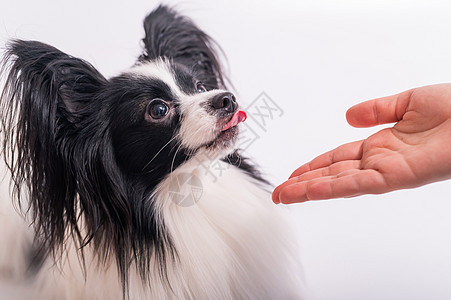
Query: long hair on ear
x=38, y=117
x=56, y=143
x=168, y=34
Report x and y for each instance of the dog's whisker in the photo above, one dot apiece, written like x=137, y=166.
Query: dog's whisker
x=173, y=160
x=159, y=151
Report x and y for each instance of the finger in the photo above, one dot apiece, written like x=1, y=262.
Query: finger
x=334, y=169
x=378, y=111
x=350, y=151
x=352, y=184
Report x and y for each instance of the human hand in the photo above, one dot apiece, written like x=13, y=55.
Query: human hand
x=414, y=152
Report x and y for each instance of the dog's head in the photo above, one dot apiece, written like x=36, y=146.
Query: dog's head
x=88, y=151
x=162, y=114
x=173, y=103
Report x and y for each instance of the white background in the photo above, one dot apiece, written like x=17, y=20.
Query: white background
x=315, y=59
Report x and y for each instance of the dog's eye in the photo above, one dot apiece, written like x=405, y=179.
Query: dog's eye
x=200, y=87
x=158, y=109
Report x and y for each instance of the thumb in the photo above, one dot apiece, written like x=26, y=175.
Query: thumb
x=378, y=111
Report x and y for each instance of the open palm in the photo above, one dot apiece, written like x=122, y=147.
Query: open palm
x=416, y=151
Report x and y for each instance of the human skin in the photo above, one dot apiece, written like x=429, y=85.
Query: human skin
x=414, y=152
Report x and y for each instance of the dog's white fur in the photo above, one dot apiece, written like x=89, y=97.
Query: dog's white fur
x=228, y=245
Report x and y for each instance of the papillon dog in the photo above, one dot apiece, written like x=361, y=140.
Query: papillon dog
x=110, y=176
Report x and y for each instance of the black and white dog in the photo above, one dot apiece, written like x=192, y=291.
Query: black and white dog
x=101, y=167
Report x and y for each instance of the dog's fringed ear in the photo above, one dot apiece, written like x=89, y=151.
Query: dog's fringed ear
x=43, y=75
x=45, y=99
x=176, y=37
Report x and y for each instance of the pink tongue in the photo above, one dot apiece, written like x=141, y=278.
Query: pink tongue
x=238, y=117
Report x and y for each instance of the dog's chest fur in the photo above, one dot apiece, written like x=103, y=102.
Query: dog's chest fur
x=227, y=243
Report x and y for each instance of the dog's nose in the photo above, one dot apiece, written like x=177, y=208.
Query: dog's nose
x=225, y=101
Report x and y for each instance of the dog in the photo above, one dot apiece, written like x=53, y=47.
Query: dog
x=108, y=173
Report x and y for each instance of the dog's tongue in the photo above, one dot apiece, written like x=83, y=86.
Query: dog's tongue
x=238, y=117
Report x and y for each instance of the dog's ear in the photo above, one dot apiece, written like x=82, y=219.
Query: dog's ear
x=170, y=35
x=46, y=97
x=43, y=76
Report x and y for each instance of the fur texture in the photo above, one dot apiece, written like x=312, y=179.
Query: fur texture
x=97, y=165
